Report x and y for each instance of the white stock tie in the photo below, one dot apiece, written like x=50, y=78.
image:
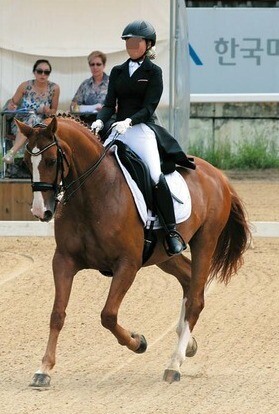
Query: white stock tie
x=133, y=66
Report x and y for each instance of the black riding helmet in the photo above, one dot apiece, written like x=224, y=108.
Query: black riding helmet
x=140, y=28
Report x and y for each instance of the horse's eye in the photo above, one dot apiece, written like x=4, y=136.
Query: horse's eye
x=50, y=162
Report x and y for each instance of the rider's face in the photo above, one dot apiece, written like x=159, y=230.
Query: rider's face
x=136, y=47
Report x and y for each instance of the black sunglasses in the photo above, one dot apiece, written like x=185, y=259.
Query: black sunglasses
x=95, y=64
x=41, y=71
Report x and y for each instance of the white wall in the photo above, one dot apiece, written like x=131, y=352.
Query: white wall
x=68, y=72
x=65, y=32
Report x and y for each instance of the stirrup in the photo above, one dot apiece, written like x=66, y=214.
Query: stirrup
x=174, y=243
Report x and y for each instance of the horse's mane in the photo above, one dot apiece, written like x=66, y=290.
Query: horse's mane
x=76, y=122
x=65, y=115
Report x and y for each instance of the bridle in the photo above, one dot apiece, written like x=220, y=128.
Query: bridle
x=61, y=157
x=61, y=191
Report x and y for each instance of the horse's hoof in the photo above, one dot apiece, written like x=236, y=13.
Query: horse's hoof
x=191, y=348
x=170, y=376
x=143, y=344
x=40, y=380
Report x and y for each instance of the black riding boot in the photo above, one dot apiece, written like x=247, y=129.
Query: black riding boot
x=165, y=211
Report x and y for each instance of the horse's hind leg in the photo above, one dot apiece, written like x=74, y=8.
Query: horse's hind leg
x=63, y=271
x=202, y=248
x=180, y=267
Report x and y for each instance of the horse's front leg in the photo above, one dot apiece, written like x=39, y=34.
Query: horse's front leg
x=63, y=271
x=121, y=282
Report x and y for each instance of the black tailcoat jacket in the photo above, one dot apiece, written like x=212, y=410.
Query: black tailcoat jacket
x=137, y=97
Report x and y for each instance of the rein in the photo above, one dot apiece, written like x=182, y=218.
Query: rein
x=82, y=178
x=60, y=190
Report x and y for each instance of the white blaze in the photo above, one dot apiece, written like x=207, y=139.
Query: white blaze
x=38, y=207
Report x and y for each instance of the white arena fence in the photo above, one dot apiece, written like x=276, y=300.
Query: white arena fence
x=234, y=97
x=36, y=228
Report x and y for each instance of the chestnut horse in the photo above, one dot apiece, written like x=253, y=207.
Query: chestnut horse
x=97, y=226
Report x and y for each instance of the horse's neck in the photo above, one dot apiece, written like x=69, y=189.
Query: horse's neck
x=92, y=170
x=85, y=153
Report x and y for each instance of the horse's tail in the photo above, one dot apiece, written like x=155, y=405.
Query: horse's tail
x=232, y=243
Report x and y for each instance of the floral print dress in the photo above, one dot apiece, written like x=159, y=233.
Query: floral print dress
x=34, y=102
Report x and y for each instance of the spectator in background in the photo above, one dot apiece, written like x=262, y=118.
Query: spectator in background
x=39, y=97
x=92, y=92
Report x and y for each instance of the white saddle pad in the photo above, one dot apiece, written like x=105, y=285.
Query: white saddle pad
x=178, y=188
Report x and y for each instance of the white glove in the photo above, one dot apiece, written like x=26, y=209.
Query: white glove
x=122, y=126
x=97, y=126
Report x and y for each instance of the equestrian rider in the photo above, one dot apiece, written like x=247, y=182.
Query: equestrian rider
x=135, y=89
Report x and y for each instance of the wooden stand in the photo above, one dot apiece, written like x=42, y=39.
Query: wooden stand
x=15, y=200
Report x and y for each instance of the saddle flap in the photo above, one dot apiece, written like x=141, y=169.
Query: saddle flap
x=138, y=170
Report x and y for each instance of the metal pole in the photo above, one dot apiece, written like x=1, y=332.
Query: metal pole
x=172, y=65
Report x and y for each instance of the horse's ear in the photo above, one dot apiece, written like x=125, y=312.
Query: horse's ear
x=24, y=129
x=52, y=127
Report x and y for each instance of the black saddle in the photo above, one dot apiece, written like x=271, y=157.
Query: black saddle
x=138, y=170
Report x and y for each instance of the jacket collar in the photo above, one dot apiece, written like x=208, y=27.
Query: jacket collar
x=146, y=64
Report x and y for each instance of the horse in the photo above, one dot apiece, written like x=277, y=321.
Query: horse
x=76, y=180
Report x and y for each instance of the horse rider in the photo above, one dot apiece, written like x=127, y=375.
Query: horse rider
x=134, y=91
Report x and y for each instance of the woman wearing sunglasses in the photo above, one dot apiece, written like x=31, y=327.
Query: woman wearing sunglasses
x=37, y=99
x=92, y=91
x=136, y=87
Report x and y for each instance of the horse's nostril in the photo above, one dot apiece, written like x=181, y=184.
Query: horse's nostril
x=48, y=215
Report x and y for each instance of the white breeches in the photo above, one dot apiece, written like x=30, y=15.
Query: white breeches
x=141, y=139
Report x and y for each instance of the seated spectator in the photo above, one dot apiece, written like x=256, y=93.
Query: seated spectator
x=92, y=91
x=39, y=97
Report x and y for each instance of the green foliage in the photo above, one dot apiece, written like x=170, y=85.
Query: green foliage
x=257, y=154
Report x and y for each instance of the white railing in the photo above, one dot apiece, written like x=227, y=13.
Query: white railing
x=36, y=228
x=234, y=97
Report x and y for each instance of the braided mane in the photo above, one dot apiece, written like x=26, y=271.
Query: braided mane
x=67, y=115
